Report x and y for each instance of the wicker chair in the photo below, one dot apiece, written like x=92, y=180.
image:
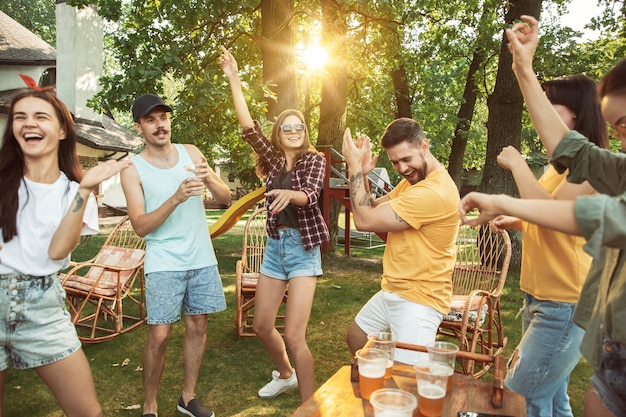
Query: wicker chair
x=106, y=294
x=247, y=273
x=478, y=279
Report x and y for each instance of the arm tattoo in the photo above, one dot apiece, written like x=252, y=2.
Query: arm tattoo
x=355, y=185
x=398, y=218
x=79, y=202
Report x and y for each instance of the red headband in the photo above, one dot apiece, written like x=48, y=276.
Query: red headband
x=32, y=84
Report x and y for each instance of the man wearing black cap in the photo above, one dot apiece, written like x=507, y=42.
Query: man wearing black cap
x=164, y=191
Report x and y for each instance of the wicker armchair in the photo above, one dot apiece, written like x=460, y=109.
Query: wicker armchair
x=106, y=294
x=478, y=279
x=247, y=273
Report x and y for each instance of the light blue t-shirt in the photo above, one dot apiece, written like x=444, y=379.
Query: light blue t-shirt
x=182, y=242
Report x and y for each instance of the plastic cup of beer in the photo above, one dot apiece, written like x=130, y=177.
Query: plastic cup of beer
x=444, y=352
x=392, y=402
x=432, y=379
x=372, y=365
x=383, y=341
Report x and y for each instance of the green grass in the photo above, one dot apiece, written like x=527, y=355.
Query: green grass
x=234, y=369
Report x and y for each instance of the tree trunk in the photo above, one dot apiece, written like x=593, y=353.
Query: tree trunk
x=504, y=123
x=401, y=89
x=334, y=94
x=278, y=51
x=464, y=121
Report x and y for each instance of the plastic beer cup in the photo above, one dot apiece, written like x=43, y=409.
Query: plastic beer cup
x=372, y=365
x=392, y=402
x=383, y=341
x=444, y=352
x=432, y=379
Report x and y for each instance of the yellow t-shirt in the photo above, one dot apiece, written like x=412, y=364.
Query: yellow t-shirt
x=418, y=261
x=554, y=264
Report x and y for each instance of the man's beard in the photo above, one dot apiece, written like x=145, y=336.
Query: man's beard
x=421, y=173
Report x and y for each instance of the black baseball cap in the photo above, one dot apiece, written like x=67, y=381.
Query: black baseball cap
x=146, y=103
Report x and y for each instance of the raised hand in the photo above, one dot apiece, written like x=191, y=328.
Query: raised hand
x=510, y=156
x=101, y=172
x=523, y=39
x=358, y=153
x=485, y=205
x=228, y=63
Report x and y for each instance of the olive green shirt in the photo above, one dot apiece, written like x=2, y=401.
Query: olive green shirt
x=601, y=309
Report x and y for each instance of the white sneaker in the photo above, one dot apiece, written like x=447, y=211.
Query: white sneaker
x=277, y=386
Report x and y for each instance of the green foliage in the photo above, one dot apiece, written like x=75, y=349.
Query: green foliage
x=171, y=47
x=35, y=15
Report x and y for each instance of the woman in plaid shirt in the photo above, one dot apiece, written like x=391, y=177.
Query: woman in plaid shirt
x=294, y=172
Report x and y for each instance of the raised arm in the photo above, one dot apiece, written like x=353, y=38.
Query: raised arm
x=523, y=39
x=229, y=66
x=67, y=235
x=553, y=214
x=369, y=214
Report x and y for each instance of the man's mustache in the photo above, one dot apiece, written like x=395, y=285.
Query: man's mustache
x=160, y=132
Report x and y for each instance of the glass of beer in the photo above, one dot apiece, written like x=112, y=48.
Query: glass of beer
x=444, y=352
x=383, y=341
x=432, y=379
x=372, y=365
x=392, y=402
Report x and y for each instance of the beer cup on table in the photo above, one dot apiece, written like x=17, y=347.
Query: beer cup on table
x=383, y=341
x=432, y=380
x=392, y=402
x=372, y=365
x=444, y=352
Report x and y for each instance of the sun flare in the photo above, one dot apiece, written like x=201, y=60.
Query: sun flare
x=314, y=57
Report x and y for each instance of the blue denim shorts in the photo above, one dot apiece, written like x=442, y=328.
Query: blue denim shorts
x=198, y=291
x=610, y=380
x=286, y=258
x=35, y=327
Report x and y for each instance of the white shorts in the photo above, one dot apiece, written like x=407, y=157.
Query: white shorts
x=408, y=322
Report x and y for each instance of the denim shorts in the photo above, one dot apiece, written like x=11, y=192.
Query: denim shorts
x=198, y=291
x=286, y=258
x=610, y=380
x=35, y=327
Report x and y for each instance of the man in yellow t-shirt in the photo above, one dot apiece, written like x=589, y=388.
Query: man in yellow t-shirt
x=420, y=217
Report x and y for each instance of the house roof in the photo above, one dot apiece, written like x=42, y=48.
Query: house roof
x=19, y=46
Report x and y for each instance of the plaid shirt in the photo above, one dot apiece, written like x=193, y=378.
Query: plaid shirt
x=307, y=176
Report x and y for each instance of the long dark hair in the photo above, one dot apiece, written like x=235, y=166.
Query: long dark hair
x=12, y=159
x=262, y=166
x=579, y=94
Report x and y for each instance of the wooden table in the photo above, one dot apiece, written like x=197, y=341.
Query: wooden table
x=338, y=397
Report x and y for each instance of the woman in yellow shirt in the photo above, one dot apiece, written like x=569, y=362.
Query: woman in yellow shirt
x=554, y=265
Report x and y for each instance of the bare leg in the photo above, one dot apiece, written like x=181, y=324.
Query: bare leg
x=594, y=407
x=355, y=338
x=71, y=383
x=153, y=364
x=195, y=342
x=299, y=303
x=269, y=295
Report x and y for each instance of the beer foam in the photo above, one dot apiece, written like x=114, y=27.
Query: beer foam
x=431, y=391
x=372, y=370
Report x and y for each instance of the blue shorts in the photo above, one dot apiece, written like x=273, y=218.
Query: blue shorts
x=286, y=258
x=198, y=291
x=35, y=327
x=610, y=381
